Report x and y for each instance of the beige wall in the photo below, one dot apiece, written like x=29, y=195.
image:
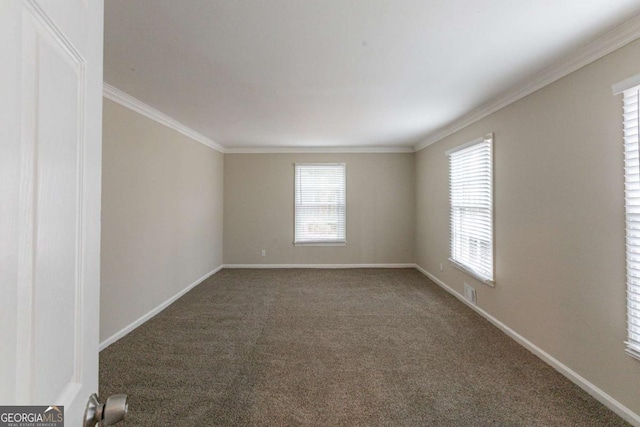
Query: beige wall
x=161, y=215
x=259, y=209
x=559, y=222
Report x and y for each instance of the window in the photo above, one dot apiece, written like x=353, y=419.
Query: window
x=320, y=199
x=471, y=208
x=630, y=88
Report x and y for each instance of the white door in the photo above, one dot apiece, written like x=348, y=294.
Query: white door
x=50, y=170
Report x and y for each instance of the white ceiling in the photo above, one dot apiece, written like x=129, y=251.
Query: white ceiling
x=335, y=73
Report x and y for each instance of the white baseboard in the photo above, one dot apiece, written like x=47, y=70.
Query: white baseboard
x=406, y=265
x=124, y=331
x=608, y=401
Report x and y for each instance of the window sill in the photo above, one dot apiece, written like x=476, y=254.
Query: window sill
x=475, y=275
x=633, y=353
x=320, y=243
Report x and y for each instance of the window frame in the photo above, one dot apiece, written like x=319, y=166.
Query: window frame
x=630, y=88
x=456, y=263
x=324, y=242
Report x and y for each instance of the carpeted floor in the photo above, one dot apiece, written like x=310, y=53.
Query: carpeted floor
x=361, y=347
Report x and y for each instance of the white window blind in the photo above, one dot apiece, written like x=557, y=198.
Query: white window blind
x=320, y=203
x=632, y=213
x=471, y=208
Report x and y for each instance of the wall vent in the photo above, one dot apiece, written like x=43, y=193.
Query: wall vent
x=469, y=293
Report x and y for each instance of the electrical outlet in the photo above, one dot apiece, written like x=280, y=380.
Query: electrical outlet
x=469, y=293
x=264, y=252
x=441, y=267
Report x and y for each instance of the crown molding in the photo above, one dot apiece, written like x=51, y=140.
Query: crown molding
x=609, y=42
x=116, y=95
x=319, y=150
x=604, y=45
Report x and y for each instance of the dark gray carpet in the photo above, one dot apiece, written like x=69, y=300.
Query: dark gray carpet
x=363, y=347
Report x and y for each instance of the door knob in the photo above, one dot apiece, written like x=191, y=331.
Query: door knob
x=113, y=411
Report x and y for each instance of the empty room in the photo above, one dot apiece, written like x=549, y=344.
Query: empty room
x=320, y=213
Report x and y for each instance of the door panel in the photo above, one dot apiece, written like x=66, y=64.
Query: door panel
x=57, y=253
